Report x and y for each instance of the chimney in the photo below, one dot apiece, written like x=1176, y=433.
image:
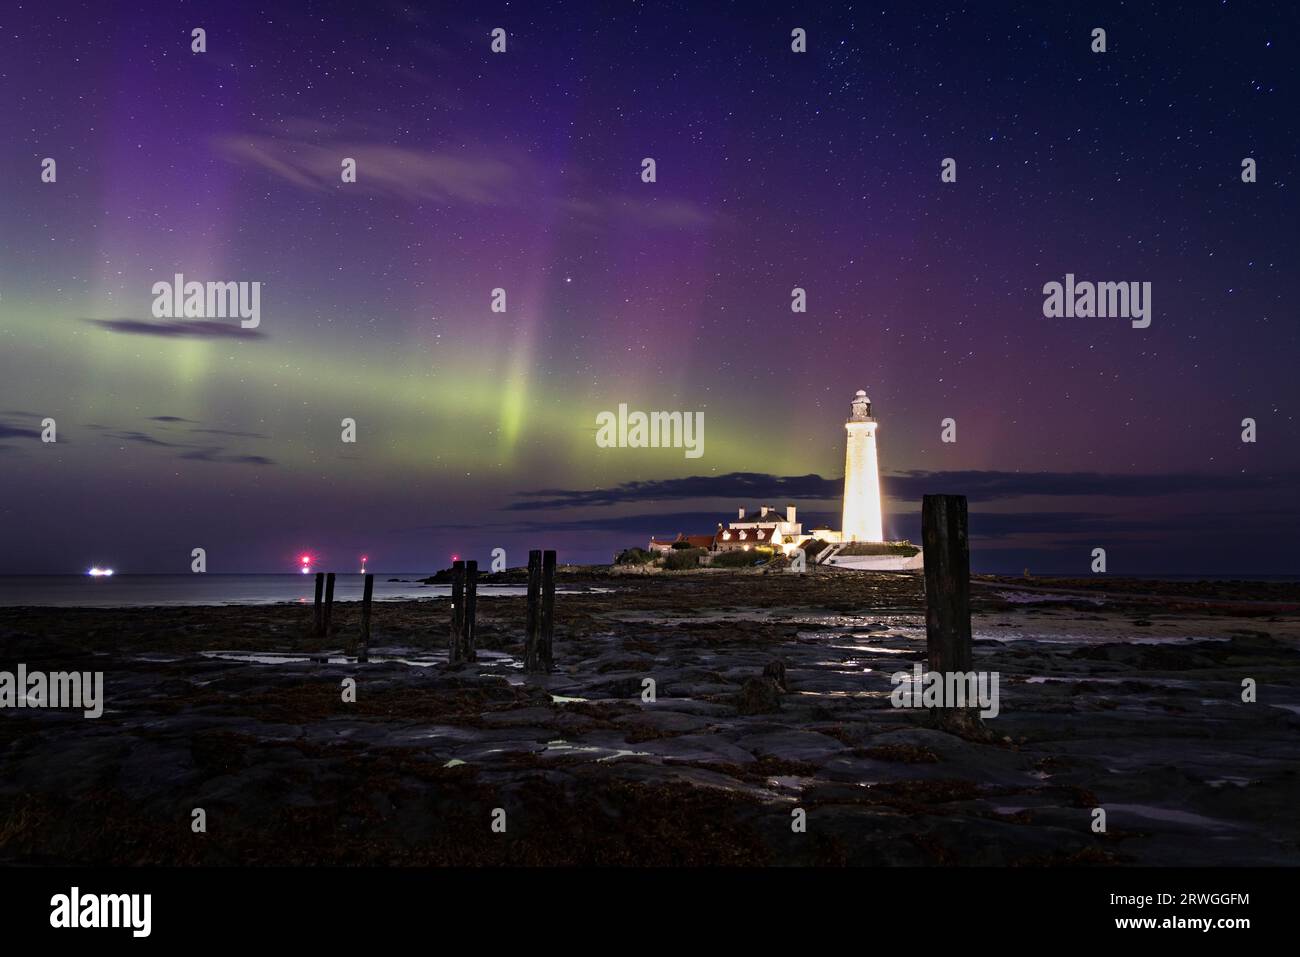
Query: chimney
x=762, y=513
x=789, y=514
x=742, y=513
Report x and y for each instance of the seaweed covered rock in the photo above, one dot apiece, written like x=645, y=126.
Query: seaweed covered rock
x=759, y=696
x=776, y=671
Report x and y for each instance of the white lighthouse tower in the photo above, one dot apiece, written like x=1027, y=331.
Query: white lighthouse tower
x=862, y=521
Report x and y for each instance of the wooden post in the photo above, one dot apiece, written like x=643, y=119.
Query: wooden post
x=363, y=653
x=329, y=603
x=947, y=582
x=545, y=650
x=532, y=625
x=320, y=591
x=454, y=649
x=471, y=609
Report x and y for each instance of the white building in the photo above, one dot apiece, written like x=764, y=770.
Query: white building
x=862, y=515
x=769, y=527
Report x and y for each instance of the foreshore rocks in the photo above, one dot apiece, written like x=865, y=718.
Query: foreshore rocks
x=769, y=693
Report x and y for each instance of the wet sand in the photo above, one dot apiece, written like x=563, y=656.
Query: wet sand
x=1127, y=699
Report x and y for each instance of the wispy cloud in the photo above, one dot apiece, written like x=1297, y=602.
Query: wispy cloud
x=978, y=486
x=989, y=486
x=188, y=450
x=391, y=170
x=143, y=438
x=1099, y=527
x=231, y=432
x=309, y=156
x=18, y=432
x=179, y=328
x=216, y=454
x=179, y=420
x=600, y=211
x=743, y=486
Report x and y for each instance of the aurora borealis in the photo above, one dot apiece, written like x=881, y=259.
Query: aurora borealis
x=521, y=171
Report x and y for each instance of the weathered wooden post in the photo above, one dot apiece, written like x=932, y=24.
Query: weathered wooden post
x=946, y=548
x=471, y=609
x=532, y=625
x=363, y=653
x=454, y=648
x=320, y=591
x=329, y=604
x=546, y=647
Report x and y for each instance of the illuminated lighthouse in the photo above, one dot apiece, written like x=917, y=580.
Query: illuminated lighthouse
x=862, y=522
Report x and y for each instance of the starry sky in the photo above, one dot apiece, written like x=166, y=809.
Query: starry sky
x=522, y=171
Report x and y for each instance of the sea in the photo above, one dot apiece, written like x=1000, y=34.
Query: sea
x=146, y=591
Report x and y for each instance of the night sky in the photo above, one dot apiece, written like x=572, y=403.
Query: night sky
x=522, y=171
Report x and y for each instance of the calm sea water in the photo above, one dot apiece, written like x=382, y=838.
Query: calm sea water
x=133, y=591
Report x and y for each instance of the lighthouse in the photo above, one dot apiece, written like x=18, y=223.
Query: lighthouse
x=862, y=522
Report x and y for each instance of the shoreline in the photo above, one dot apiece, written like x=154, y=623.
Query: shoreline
x=1279, y=595
x=1131, y=705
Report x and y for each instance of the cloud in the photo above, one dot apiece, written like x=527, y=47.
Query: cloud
x=391, y=170
x=310, y=158
x=234, y=433
x=673, y=213
x=981, y=486
x=977, y=486
x=179, y=328
x=191, y=452
x=744, y=486
x=216, y=454
x=1225, y=526
x=17, y=431
x=143, y=438
x=230, y=432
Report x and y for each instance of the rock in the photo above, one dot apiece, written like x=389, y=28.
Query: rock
x=759, y=696
x=776, y=671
